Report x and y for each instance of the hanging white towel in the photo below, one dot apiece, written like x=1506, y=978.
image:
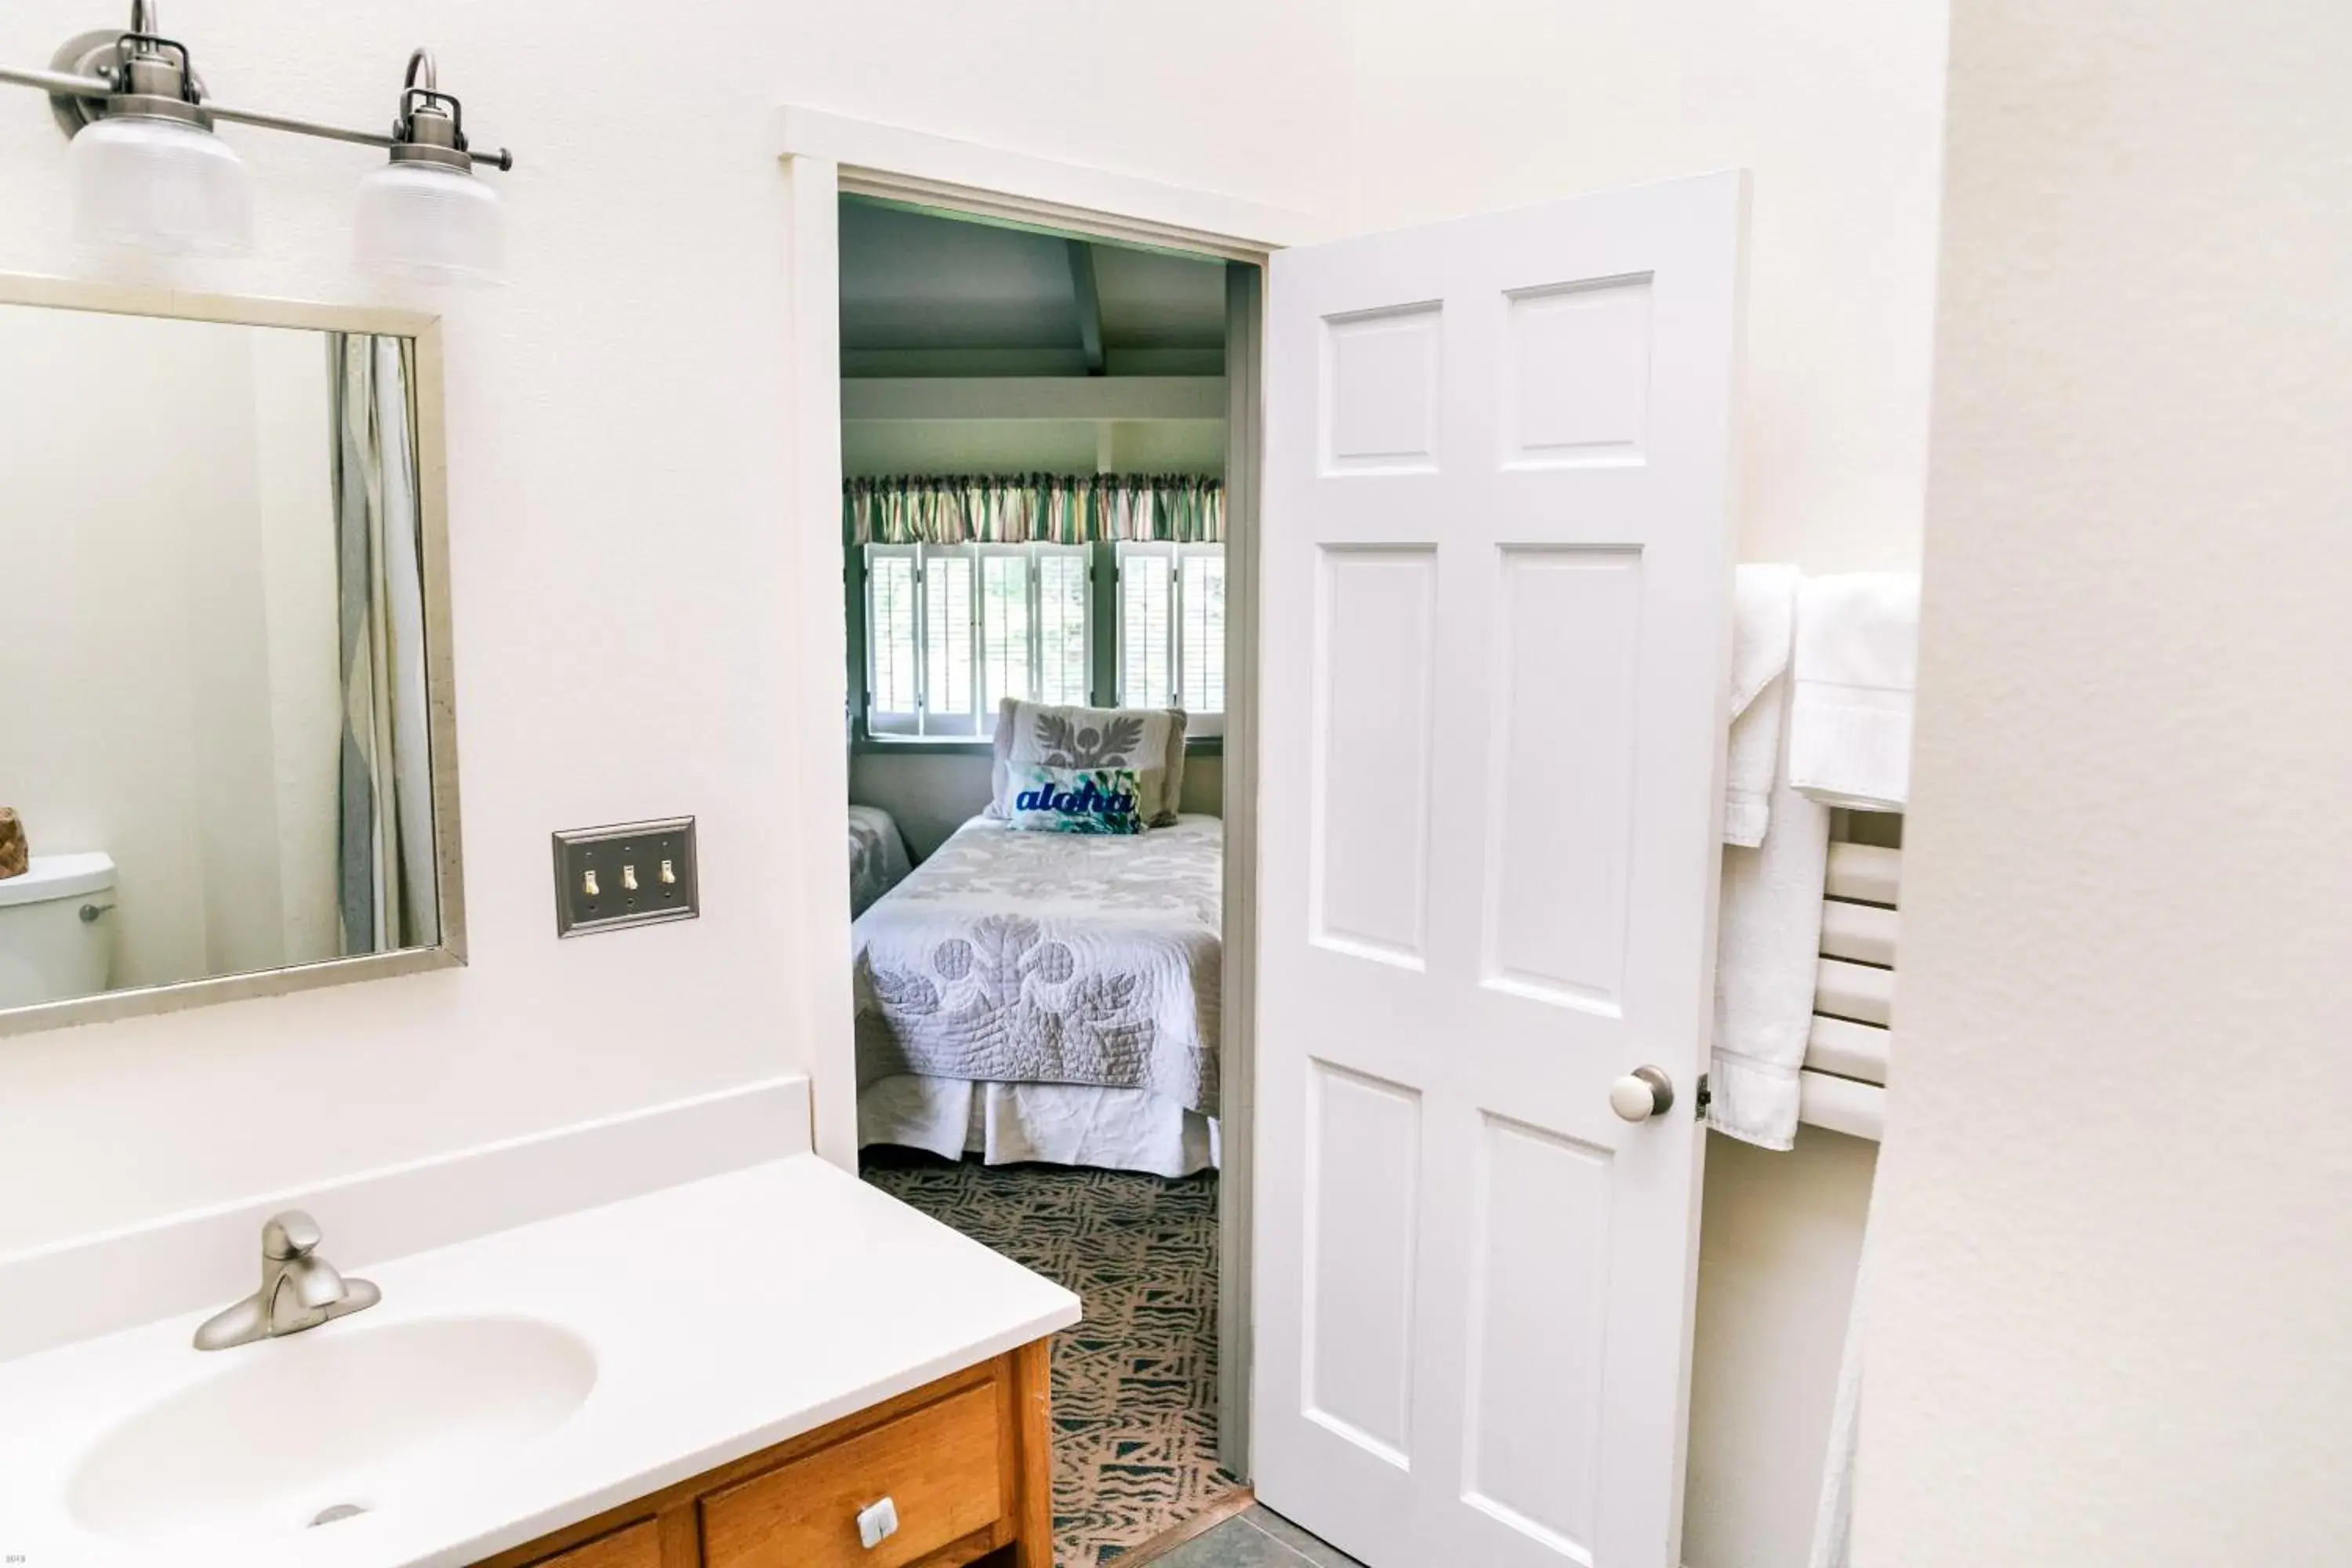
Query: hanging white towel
x=1857, y=664
x=1767, y=949
x=1763, y=628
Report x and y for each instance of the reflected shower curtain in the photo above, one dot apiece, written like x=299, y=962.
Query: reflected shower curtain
x=385, y=865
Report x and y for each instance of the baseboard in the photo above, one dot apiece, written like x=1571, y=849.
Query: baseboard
x=91, y=1285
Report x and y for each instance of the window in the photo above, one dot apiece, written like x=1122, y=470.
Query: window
x=1171, y=630
x=954, y=629
x=950, y=630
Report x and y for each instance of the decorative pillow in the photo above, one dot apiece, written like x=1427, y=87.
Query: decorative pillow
x=1146, y=742
x=1073, y=800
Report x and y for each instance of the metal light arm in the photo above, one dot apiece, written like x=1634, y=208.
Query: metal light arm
x=58, y=84
x=500, y=158
x=68, y=89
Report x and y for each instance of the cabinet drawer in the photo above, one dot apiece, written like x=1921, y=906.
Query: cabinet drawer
x=638, y=1546
x=941, y=1466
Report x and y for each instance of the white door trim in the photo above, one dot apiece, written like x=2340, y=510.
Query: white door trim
x=1245, y=541
x=825, y=156
x=816, y=631
x=877, y=159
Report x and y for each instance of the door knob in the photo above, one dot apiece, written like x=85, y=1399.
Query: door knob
x=1640, y=1094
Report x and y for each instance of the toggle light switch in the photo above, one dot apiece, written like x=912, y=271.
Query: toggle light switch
x=597, y=883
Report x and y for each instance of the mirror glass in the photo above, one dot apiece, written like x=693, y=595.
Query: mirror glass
x=217, y=698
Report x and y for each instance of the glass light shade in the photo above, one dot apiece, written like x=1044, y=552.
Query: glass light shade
x=430, y=225
x=158, y=185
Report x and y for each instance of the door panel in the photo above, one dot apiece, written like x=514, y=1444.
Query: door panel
x=1380, y=386
x=1495, y=630
x=1365, y=1191
x=1538, y=1332
x=1373, y=670
x=1567, y=635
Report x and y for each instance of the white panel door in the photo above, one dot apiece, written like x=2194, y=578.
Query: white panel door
x=1499, y=543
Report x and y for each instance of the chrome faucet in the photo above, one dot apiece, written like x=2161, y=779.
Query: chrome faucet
x=299, y=1290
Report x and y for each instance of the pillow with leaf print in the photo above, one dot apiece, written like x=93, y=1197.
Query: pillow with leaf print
x=1073, y=800
x=1146, y=742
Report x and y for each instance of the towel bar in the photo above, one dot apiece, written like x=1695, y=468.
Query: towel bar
x=1856, y=991
x=1863, y=934
x=1841, y=1105
x=1865, y=874
x=1842, y=1085
x=1849, y=1050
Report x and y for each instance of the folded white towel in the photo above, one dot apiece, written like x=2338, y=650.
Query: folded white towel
x=1764, y=619
x=1767, y=949
x=1856, y=666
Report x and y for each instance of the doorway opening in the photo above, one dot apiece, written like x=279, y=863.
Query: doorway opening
x=1042, y=570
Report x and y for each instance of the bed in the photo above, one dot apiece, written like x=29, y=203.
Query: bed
x=1048, y=997
x=877, y=857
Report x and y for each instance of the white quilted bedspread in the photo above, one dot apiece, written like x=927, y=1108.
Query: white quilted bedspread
x=1017, y=957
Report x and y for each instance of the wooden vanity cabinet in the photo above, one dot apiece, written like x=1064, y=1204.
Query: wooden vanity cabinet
x=966, y=1461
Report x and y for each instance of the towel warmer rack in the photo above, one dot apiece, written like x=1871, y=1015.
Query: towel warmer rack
x=1844, y=1084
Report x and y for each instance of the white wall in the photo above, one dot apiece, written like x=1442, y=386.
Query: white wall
x=1780, y=1236
x=1835, y=105
x=616, y=417
x=2111, y=1273
x=164, y=499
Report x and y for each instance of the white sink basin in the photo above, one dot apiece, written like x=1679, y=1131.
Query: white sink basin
x=348, y=1416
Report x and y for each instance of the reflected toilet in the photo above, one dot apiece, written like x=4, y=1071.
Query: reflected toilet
x=57, y=929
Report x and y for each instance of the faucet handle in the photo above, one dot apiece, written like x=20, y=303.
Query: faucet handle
x=288, y=1235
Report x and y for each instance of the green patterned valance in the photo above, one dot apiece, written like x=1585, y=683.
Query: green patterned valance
x=1034, y=509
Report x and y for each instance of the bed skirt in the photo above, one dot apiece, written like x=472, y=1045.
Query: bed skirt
x=1056, y=1123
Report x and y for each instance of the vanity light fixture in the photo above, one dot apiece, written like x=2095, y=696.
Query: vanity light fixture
x=149, y=174
x=423, y=216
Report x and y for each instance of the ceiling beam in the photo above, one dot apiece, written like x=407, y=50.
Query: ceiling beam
x=1089, y=303
x=1053, y=397
x=856, y=362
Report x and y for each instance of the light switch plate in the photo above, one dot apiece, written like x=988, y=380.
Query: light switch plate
x=635, y=874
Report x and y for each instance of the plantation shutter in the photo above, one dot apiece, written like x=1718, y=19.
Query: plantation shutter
x=1007, y=650
x=1200, y=633
x=951, y=692
x=1147, y=618
x=1064, y=659
x=893, y=641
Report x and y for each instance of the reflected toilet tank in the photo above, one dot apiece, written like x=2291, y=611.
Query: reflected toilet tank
x=57, y=929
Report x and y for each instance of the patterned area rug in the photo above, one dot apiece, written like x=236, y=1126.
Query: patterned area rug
x=1135, y=1384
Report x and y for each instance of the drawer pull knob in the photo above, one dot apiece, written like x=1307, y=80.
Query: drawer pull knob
x=878, y=1523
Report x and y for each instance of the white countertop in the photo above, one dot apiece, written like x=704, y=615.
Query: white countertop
x=724, y=1316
